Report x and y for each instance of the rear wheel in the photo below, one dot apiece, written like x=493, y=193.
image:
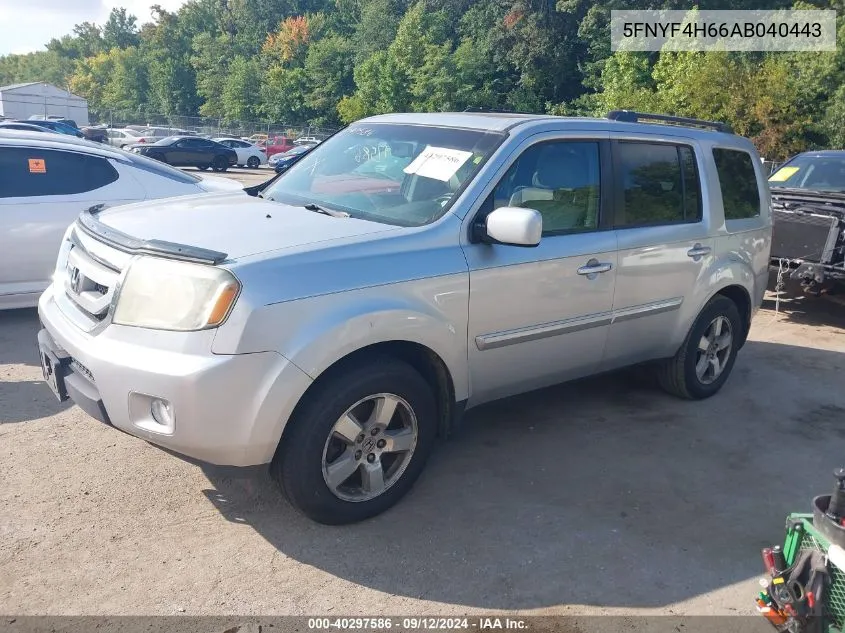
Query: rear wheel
x=705, y=360
x=220, y=163
x=253, y=162
x=357, y=443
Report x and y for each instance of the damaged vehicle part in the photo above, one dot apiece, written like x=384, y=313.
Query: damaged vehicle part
x=808, y=202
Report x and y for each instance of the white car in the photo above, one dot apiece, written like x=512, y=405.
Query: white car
x=248, y=154
x=47, y=180
x=122, y=137
x=307, y=140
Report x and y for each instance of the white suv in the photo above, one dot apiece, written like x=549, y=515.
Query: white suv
x=47, y=180
x=408, y=268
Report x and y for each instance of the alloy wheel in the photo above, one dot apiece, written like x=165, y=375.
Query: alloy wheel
x=714, y=350
x=369, y=447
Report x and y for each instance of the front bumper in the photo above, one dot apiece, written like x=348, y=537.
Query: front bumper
x=226, y=409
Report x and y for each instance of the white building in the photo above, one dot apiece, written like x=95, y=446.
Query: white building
x=21, y=101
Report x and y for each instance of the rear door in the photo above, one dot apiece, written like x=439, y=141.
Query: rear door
x=664, y=245
x=41, y=193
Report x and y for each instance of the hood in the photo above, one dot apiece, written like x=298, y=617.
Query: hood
x=216, y=184
x=235, y=224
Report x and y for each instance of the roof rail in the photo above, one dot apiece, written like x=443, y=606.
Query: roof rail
x=496, y=110
x=630, y=116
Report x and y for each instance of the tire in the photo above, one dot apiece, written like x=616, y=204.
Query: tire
x=253, y=162
x=310, y=443
x=158, y=156
x=220, y=163
x=203, y=167
x=680, y=375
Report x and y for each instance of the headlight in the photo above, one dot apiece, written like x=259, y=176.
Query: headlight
x=170, y=295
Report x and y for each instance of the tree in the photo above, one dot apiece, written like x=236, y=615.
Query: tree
x=120, y=30
x=241, y=98
x=329, y=66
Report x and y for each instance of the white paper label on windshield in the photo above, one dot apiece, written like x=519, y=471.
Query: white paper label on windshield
x=439, y=163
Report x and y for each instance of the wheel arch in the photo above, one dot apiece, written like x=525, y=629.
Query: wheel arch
x=423, y=359
x=742, y=299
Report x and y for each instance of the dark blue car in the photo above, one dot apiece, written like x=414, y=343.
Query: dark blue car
x=282, y=162
x=55, y=126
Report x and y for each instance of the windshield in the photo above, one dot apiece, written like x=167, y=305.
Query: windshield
x=817, y=173
x=406, y=175
x=167, y=140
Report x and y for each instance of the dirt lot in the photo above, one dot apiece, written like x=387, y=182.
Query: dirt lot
x=243, y=175
x=603, y=496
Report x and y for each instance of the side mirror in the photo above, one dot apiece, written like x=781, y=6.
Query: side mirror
x=514, y=226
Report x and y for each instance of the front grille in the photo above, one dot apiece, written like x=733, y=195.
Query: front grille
x=89, y=283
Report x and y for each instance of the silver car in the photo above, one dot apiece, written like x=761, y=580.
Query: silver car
x=409, y=268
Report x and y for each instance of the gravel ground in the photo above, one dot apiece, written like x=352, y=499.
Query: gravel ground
x=604, y=496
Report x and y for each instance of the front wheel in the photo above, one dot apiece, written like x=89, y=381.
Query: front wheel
x=357, y=443
x=705, y=360
x=203, y=167
x=253, y=162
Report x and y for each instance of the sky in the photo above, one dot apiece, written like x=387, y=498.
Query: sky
x=27, y=25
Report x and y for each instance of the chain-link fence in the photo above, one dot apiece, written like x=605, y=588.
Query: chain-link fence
x=16, y=105
x=207, y=126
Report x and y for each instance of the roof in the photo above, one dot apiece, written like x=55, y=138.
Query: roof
x=503, y=122
x=23, y=85
x=823, y=152
x=19, y=138
x=492, y=121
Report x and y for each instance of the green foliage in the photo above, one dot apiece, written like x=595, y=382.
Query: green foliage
x=328, y=62
x=241, y=91
x=120, y=30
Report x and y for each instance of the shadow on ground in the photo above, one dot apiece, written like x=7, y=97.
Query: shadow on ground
x=603, y=492
x=810, y=310
x=17, y=326
x=23, y=400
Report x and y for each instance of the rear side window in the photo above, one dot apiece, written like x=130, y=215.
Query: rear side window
x=738, y=181
x=659, y=184
x=42, y=172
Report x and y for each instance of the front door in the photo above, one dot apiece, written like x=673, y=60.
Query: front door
x=540, y=315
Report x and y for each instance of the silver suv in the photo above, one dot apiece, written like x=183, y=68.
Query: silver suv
x=410, y=267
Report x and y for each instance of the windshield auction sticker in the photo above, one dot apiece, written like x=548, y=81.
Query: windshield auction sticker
x=439, y=163
x=783, y=174
x=694, y=30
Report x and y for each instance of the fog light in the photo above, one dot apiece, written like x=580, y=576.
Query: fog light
x=161, y=412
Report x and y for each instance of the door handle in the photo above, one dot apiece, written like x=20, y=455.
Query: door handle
x=698, y=251
x=593, y=268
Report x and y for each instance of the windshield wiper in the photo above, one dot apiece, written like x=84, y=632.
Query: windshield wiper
x=318, y=209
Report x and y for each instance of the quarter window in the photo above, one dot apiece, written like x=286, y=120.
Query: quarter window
x=36, y=172
x=738, y=181
x=659, y=184
x=559, y=179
